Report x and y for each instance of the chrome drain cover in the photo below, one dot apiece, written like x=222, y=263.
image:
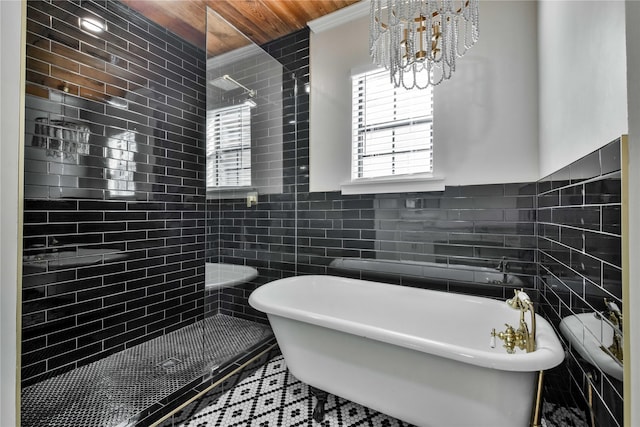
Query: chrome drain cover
x=169, y=363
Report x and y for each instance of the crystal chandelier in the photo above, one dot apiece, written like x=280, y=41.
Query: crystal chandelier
x=408, y=37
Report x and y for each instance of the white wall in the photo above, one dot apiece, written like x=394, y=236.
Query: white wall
x=632, y=381
x=11, y=46
x=333, y=53
x=583, y=93
x=485, y=117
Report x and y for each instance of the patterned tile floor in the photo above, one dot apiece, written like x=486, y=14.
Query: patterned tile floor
x=272, y=397
x=115, y=389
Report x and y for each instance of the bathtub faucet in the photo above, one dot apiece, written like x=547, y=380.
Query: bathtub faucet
x=523, y=337
x=615, y=318
x=511, y=338
x=522, y=302
x=502, y=268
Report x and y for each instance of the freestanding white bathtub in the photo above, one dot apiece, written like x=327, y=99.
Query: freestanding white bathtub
x=418, y=355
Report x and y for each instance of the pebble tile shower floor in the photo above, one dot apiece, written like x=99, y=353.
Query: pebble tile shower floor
x=114, y=389
x=272, y=397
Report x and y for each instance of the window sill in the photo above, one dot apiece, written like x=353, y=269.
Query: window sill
x=405, y=184
x=216, y=193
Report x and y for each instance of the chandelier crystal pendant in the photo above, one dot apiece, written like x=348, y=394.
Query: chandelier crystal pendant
x=418, y=41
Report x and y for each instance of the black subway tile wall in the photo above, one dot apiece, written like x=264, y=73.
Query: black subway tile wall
x=445, y=228
x=579, y=242
x=470, y=225
x=114, y=184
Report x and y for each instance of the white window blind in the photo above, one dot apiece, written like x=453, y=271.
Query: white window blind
x=392, y=128
x=229, y=147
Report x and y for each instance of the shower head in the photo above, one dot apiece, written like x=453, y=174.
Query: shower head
x=226, y=83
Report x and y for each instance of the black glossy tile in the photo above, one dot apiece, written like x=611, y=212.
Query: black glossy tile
x=610, y=157
x=560, y=178
x=480, y=215
x=585, y=217
x=587, y=266
x=46, y=278
x=73, y=286
x=612, y=280
x=604, y=191
x=120, y=315
x=521, y=228
x=520, y=215
x=544, y=215
x=573, y=195
x=549, y=199
x=100, y=292
x=605, y=247
x=49, y=229
x=611, y=219
x=43, y=329
x=64, y=359
x=65, y=336
x=586, y=168
x=573, y=238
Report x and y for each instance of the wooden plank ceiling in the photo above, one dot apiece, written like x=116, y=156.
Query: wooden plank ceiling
x=260, y=21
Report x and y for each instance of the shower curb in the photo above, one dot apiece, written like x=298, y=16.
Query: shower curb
x=220, y=382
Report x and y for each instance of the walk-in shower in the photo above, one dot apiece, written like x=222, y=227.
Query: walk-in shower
x=124, y=204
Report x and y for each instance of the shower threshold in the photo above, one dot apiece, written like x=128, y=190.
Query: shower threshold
x=124, y=387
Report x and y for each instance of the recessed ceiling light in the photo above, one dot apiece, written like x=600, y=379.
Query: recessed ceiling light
x=118, y=102
x=93, y=25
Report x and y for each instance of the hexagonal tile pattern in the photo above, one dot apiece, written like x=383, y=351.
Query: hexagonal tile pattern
x=113, y=390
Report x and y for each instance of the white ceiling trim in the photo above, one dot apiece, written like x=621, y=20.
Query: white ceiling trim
x=340, y=16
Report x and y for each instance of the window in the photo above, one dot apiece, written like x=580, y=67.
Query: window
x=392, y=128
x=229, y=147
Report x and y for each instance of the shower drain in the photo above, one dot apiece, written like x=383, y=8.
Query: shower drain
x=169, y=363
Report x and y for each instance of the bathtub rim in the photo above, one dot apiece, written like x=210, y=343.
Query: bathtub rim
x=549, y=352
x=480, y=275
x=220, y=275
